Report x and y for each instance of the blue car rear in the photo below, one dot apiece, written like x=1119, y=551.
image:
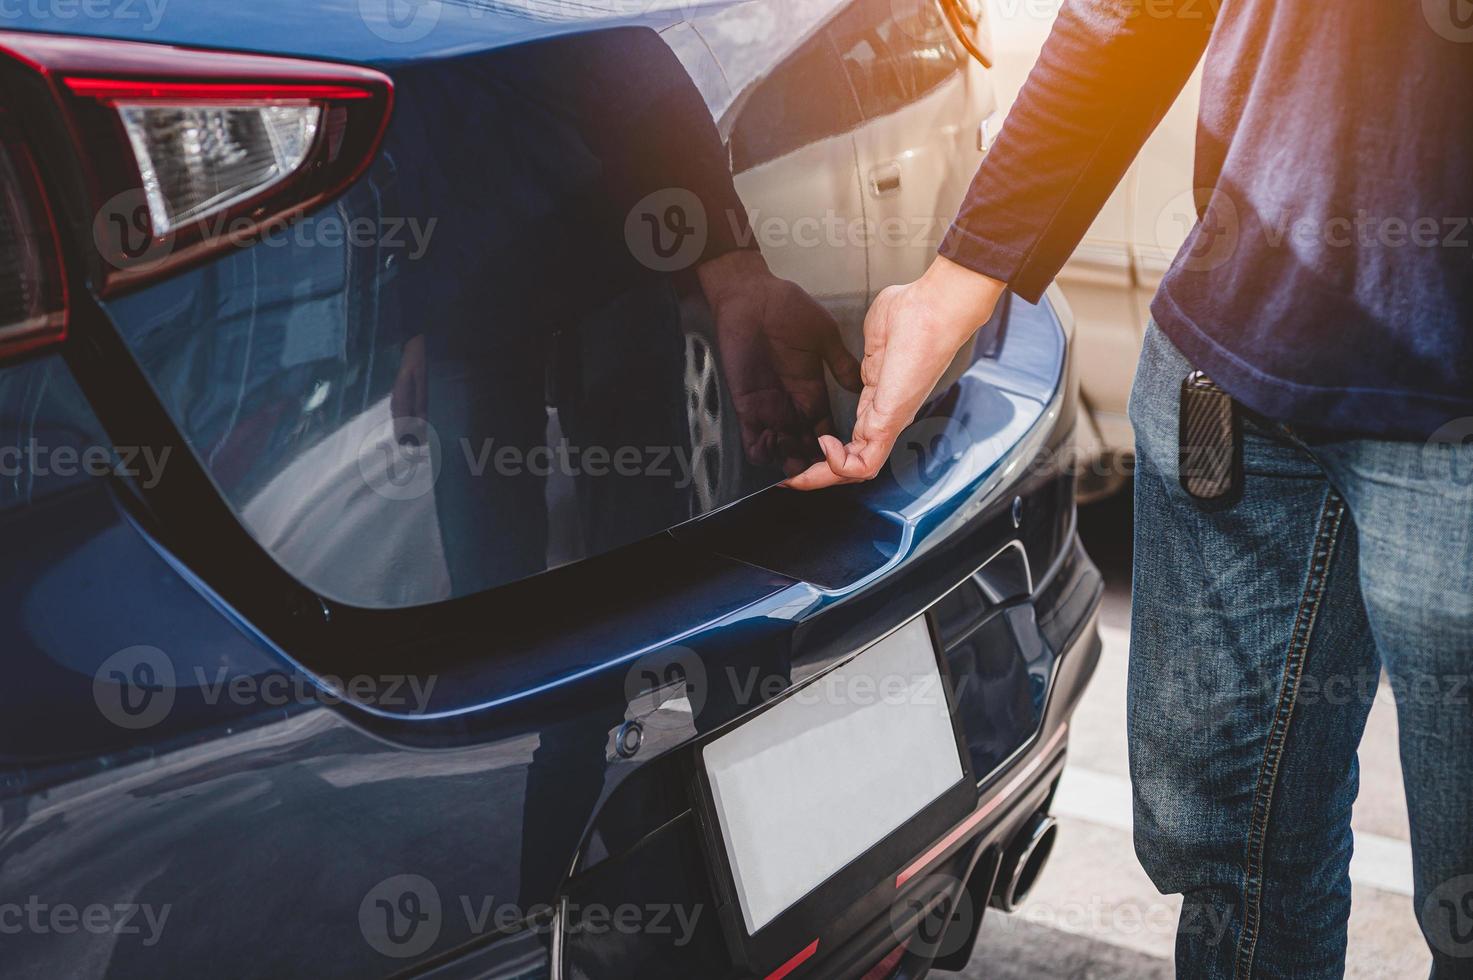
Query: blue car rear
x=389, y=441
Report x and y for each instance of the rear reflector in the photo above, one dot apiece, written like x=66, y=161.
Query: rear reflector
x=802, y=956
x=32, y=288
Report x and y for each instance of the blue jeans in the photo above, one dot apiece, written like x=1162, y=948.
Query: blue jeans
x=1257, y=639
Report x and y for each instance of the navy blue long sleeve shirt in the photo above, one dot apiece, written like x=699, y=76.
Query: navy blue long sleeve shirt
x=1329, y=280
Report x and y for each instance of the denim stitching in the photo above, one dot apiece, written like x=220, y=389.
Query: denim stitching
x=1331, y=514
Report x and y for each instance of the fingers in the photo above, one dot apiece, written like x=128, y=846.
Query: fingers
x=816, y=477
x=907, y=348
x=825, y=472
x=863, y=458
x=860, y=460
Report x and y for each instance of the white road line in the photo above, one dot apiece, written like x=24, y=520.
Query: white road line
x=1100, y=798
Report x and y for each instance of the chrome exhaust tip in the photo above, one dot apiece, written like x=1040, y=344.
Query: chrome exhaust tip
x=1023, y=862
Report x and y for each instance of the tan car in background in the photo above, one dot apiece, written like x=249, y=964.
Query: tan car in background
x=1113, y=274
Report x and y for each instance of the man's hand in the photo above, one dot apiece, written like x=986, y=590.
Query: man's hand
x=775, y=341
x=911, y=335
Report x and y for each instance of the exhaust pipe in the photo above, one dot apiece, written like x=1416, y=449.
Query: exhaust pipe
x=1024, y=861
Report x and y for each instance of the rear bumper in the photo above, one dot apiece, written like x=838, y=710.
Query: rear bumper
x=983, y=542
x=1062, y=611
x=1007, y=803
x=511, y=767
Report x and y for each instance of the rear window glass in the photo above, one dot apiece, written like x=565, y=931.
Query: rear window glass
x=477, y=364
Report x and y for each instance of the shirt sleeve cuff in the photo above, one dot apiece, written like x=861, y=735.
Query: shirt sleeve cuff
x=991, y=258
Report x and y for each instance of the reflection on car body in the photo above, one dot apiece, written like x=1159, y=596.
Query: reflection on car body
x=470, y=542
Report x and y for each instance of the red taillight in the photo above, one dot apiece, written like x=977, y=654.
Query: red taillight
x=32, y=287
x=171, y=92
x=188, y=153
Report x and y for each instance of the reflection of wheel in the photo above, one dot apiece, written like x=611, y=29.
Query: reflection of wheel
x=705, y=416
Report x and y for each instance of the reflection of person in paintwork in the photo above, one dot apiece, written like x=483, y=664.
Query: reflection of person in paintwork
x=582, y=142
x=540, y=290
x=775, y=341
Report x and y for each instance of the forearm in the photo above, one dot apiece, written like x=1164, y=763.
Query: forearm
x=1106, y=75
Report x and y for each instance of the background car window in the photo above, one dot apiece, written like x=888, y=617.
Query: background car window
x=876, y=82
x=895, y=51
x=806, y=99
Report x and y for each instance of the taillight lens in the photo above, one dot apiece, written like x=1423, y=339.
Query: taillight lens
x=189, y=153
x=196, y=160
x=32, y=289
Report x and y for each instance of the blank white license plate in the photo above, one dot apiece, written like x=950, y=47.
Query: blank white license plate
x=822, y=777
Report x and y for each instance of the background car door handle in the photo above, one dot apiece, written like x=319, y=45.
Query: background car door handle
x=885, y=180
x=986, y=133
